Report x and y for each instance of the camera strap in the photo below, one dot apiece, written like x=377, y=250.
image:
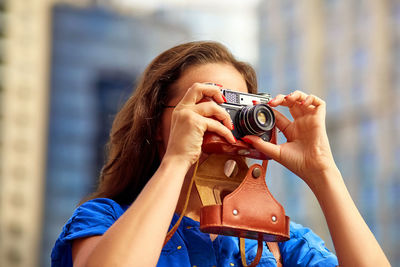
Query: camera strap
x=178, y=222
x=274, y=248
x=243, y=253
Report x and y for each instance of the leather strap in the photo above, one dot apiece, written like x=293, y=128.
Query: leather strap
x=243, y=253
x=274, y=248
x=178, y=222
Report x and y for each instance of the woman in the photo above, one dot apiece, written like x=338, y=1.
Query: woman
x=156, y=140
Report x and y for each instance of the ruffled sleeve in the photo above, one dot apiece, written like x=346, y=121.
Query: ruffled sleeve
x=91, y=218
x=305, y=248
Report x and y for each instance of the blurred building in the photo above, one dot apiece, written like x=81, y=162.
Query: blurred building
x=2, y=55
x=346, y=52
x=24, y=82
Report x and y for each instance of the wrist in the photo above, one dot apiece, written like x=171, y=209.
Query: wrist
x=320, y=181
x=175, y=162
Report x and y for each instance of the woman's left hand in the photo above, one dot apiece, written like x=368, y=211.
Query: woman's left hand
x=307, y=152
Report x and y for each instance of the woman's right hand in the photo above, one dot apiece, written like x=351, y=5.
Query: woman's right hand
x=192, y=117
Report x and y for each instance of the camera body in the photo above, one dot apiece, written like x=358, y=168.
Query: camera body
x=250, y=114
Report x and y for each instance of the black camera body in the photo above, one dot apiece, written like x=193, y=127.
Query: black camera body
x=250, y=114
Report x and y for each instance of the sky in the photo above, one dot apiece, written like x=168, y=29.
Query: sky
x=232, y=22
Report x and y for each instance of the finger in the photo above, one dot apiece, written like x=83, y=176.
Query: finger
x=211, y=109
x=282, y=100
x=282, y=122
x=271, y=150
x=315, y=105
x=296, y=96
x=293, y=101
x=277, y=100
x=200, y=90
x=216, y=127
x=313, y=100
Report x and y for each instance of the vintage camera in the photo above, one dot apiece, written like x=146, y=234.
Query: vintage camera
x=250, y=114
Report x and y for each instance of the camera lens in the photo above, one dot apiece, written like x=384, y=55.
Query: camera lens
x=261, y=118
x=255, y=120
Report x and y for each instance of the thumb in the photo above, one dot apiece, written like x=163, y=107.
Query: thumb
x=271, y=150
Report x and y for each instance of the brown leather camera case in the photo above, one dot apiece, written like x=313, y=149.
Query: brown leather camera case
x=240, y=205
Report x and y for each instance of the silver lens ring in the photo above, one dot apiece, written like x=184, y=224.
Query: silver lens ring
x=249, y=123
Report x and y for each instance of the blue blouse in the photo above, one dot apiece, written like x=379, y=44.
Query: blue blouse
x=189, y=246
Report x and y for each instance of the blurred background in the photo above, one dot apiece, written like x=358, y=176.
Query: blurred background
x=66, y=67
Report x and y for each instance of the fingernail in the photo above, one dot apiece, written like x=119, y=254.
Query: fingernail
x=272, y=100
x=233, y=127
x=217, y=84
x=235, y=139
x=247, y=140
x=302, y=102
x=223, y=97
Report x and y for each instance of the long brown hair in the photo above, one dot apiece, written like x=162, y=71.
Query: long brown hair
x=132, y=151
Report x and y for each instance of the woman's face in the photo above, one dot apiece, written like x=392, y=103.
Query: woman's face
x=219, y=73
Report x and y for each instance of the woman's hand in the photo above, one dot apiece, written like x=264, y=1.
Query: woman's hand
x=192, y=116
x=307, y=152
